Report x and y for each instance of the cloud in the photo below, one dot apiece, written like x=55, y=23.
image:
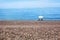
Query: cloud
x=29, y=4
x=55, y=1
x=28, y=0
x=17, y=0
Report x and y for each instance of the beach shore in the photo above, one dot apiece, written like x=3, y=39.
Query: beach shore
x=29, y=30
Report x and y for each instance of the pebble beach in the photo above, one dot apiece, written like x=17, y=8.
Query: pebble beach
x=29, y=30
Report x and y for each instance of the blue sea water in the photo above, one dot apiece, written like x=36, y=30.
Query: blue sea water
x=51, y=13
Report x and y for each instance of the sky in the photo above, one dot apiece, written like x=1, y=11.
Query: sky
x=29, y=3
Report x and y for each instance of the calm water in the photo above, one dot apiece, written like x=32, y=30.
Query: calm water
x=30, y=13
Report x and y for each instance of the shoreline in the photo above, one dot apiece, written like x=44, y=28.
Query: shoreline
x=29, y=23
x=18, y=22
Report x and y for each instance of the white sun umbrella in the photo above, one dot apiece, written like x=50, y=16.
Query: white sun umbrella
x=40, y=17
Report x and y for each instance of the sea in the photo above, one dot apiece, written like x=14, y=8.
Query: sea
x=49, y=13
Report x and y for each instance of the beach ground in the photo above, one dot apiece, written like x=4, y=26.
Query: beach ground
x=29, y=30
